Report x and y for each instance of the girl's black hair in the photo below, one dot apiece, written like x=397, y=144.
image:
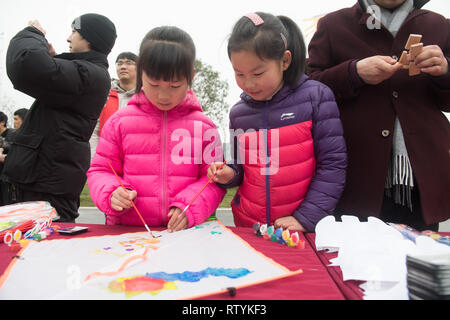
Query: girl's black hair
x=166, y=53
x=266, y=41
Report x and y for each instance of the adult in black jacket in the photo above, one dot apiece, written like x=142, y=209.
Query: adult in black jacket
x=50, y=154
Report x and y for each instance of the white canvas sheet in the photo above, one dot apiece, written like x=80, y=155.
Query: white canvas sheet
x=58, y=269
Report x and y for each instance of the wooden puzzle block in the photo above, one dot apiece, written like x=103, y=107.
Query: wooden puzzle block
x=415, y=50
x=414, y=47
x=412, y=40
x=413, y=69
x=404, y=60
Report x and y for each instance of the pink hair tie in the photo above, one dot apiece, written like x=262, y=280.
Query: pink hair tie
x=256, y=19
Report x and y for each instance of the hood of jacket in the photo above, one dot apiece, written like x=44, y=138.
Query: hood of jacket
x=115, y=85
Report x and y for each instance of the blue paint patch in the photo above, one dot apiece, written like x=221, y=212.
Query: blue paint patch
x=191, y=276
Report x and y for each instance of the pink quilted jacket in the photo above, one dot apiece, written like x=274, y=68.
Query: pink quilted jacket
x=163, y=155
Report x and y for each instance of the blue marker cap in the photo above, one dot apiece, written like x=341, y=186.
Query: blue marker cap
x=279, y=232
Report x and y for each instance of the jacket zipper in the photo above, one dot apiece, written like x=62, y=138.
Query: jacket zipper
x=164, y=168
x=267, y=161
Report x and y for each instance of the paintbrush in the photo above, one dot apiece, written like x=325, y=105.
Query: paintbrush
x=132, y=202
x=206, y=184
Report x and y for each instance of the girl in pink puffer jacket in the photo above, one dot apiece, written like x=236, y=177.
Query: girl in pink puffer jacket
x=160, y=145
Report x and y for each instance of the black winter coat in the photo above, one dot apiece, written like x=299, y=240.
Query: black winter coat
x=50, y=152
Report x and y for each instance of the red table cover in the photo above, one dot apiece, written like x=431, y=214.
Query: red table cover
x=317, y=282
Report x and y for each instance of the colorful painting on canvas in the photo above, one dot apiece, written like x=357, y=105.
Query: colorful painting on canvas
x=190, y=263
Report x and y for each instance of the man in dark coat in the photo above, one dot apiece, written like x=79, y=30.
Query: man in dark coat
x=19, y=115
x=50, y=154
x=397, y=137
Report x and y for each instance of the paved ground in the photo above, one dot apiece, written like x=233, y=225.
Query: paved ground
x=94, y=216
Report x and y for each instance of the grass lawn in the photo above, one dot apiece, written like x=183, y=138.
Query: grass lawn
x=85, y=198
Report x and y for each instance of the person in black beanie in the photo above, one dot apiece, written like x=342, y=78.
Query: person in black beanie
x=50, y=154
x=98, y=30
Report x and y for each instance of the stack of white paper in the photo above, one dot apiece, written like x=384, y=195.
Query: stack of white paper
x=374, y=252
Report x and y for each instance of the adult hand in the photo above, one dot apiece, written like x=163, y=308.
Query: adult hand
x=37, y=25
x=432, y=61
x=376, y=69
x=289, y=222
x=121, y=199
x=2, y=156
x=51, y=50
x=223, y=175
x=177, y=220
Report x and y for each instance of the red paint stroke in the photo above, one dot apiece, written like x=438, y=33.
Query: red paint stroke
x=142, y=257
x=143, y=284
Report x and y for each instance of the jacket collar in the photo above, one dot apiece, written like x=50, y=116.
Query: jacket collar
x=91, y=56
x=284, y=92
x=190, y=103
x=418, y=4
x=115, y=86
x=363, y=16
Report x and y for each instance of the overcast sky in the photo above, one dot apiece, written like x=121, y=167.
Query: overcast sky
x=208, y=22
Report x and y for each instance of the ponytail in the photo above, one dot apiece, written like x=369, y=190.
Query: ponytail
x=296, y=45
x=268, y=36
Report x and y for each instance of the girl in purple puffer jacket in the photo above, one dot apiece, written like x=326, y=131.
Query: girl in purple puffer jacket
x=287, y=139
x=160, y=145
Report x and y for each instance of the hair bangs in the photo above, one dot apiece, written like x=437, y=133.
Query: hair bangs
x=268, y=46
x=269, y=40
x=166, y=53
x=265, y=41
x=167, y=61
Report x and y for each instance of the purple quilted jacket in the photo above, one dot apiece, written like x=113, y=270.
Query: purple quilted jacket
x=289, y=155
